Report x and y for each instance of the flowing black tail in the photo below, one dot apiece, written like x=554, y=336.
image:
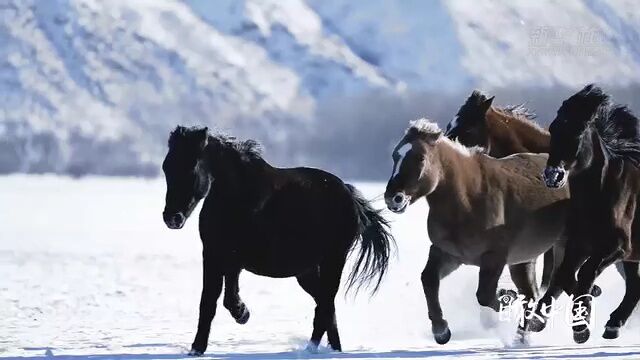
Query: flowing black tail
x=375, y=245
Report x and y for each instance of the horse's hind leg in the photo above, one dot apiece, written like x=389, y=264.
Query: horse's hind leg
x=322, y=284
x=632, y=294
x=232, y=301
x=310, y=282
x=330, y=274
x=524, y=277
x=548, y=268
x=439, y=266
x=491, y=267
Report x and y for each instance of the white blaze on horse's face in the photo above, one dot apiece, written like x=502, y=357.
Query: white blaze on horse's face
x=402, y=153
x=451, y=125
x=399, y=201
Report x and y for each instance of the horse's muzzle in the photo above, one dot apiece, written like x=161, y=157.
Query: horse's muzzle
x=554, y=177
x=398, y=202
x=175, y=220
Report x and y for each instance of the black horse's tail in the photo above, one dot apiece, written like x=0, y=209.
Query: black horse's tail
x=375, y=245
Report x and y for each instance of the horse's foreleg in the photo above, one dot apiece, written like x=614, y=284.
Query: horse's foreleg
x=438, y=267
x=211, y=289
x=564, y=279
x=587, y=275
x=524, y=277
x=631, y=296
x=232, y=300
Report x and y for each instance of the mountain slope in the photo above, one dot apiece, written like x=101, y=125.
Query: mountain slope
x=90, y=86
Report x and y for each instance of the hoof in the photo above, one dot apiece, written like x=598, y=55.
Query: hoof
x=535, y=325
x=195, y=352
x=611, y=332
x=312, y=348
x=596, y=291
x=244, y=318
x=581, y=336
x=443, y=337
x=523, y=337
x=507, y=294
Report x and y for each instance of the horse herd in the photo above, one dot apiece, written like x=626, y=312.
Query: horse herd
x=501, y=191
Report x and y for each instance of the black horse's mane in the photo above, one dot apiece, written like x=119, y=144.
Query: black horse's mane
x=590, y=95
x=619, y=131
x=615, y=125
x=246, y=149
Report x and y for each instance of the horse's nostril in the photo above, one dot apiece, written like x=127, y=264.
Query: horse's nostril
x=177, y=218
x=398, y=198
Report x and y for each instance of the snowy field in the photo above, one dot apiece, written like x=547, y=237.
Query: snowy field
x=88, y=269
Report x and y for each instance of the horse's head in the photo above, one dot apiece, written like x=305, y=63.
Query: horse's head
x=566, y=130
x=187, y=175
x=469, y=126
x=415, y=169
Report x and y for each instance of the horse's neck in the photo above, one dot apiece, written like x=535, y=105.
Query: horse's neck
x=461, y=178
x=248, y=182
x=510, y=135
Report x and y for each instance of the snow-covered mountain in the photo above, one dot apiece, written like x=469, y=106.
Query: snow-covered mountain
x=90, y=86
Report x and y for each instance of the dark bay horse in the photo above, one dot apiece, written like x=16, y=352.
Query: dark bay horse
x=595, y=147
x=483, y=211
x=502, y=132
x=273, y=222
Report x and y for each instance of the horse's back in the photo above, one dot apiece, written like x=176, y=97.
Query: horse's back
x=308, y=214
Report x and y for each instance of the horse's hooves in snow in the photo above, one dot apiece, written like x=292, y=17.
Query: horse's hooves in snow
x=581, y=336
x=244, y=317
x=443, y=337
x=535, y=325
x=596, y=291
x=312, y=348
x=195, y=352
x=523, y=338
x=611, y=332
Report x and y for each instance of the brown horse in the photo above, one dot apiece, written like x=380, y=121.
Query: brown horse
x=483, y=211
x=596, y=146
x=502, y=132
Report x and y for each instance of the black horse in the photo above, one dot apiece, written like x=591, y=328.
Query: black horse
x=273, y=222
x=595, y=147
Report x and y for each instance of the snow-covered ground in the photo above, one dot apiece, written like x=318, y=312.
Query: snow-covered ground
x=88, y=268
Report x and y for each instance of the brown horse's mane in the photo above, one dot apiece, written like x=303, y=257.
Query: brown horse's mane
x=518, y=112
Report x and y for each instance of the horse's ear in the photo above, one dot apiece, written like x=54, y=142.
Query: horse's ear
x=487, y=103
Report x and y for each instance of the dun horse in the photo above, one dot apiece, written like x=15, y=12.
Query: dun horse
x=482, y=211
x=596, y=147
x=502, y=132
x=274, y=222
